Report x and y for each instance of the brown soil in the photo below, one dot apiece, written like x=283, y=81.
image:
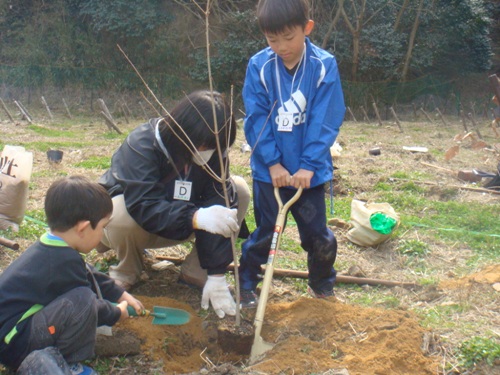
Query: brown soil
x=318, y=336
x=321, y=334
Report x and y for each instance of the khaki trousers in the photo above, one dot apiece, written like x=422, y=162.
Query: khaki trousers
x=129, y=240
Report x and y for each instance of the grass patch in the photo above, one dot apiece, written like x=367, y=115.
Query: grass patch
x=51, y=133
x=31, y=228
x=45, y=146
x=477, y=349
x=95, y=162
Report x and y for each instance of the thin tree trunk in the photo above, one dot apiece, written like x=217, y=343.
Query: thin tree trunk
x=411, y=42
x=356, y=34
x=326, y=39
x=400, y=15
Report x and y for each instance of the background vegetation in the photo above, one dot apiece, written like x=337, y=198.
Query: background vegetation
x=388, y=51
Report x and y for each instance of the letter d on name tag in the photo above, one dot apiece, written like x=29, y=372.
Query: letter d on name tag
x=182, y=190
x=285, y=122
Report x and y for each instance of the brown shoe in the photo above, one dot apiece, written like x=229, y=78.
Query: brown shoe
x=191, y=281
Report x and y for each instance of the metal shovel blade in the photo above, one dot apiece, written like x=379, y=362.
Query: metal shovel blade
x=169, y=316
x=259, y=347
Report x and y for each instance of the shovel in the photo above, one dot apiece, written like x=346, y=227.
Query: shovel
x=259, y=346
x=163, y=315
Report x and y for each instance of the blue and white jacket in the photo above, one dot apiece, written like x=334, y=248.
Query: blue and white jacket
x=311, y=99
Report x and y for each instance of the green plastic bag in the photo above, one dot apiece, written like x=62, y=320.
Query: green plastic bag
x=382, y=223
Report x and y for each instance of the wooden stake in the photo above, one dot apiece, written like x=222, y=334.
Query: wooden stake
x=474, y=125
x=110, y=122
x=47, y=108
x=67, y=109
x=396, y=118
x=441, y=116
x=495, y=85
x=426, y=115
x=464, y=121
x=124, y=110
x=24, y=115
x=352, y=114
x=105, y=109
x=377, y=114
x=366, y=118
x=127, y=108
x=143, y=111
x=25, y=110
x=6, y=110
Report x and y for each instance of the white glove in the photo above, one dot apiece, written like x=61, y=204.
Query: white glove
x=217, y=219
x=217, y=292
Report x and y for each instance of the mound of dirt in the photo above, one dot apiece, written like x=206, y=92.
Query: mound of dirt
x=310, y=336
x=489, y=275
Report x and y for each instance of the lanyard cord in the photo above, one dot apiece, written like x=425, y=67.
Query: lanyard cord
x=165, y=151
x=278, y=77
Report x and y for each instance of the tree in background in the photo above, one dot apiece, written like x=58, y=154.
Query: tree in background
x=72, y=43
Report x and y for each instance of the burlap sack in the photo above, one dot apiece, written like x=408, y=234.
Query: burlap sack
x=362, y=233
x=16, y=165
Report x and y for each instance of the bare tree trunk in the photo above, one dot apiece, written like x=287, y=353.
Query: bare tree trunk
x=400, y=15
x=326, y=39
x=356, y=34
x=411, y=42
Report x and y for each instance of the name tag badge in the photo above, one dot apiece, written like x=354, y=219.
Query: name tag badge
x=285, y=122
x=182, y=190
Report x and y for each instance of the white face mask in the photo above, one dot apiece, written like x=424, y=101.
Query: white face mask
x=202, y=157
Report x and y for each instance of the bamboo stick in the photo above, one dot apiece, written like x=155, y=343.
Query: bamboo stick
x=304, y=275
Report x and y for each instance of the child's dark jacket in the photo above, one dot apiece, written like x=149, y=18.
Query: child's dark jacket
x=45, y=271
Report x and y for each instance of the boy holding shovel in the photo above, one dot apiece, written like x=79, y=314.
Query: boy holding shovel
x=294, y=108
x=49, y=295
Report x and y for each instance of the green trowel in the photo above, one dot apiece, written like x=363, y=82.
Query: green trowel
x=163, y=315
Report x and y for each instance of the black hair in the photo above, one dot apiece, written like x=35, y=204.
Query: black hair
x=73, y=199
x=195, y=115
x=275, y=16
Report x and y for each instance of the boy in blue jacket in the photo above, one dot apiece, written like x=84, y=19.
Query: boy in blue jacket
x=294, y=108
x=50, y=299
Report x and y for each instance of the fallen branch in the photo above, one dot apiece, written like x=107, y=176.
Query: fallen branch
x=8, y=243
x=478, y=190
x=440, y=168
x=304, y=275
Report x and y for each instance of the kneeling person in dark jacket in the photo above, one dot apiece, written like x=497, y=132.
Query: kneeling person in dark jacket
x=49, y=295
x=166, y=184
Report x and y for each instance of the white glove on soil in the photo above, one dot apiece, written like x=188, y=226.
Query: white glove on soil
x=217, y=219
x=217, y=292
